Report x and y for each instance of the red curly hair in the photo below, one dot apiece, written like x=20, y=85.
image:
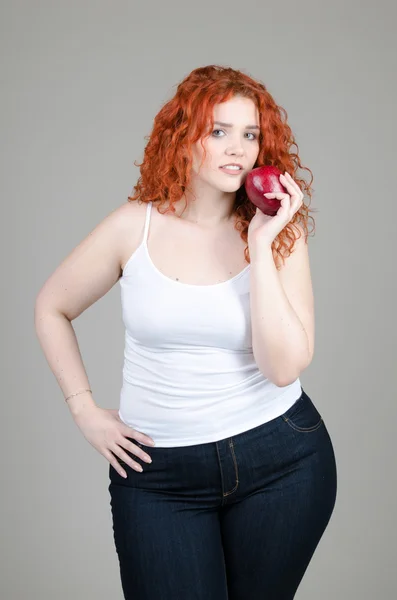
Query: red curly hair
x=183, y=120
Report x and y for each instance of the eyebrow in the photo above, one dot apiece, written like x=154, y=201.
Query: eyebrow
x=231, y=125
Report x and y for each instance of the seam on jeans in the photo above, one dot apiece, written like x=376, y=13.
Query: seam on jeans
x=231, y=446
x=303, y=429
x=220, y=465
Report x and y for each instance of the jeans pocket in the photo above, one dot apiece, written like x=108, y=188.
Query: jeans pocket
x=303, y=416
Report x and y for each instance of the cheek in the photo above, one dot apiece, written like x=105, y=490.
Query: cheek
x=198, y=156
x=254, y=152
x=214, y=153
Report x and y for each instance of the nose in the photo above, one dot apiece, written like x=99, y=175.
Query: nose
x=235, y=149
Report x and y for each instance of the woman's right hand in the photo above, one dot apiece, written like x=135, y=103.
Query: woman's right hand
x=106, y=432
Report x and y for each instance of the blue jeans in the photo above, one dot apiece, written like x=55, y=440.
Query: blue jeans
x=237, y=519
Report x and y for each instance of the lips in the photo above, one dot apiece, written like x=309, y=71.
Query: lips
x=231, y=165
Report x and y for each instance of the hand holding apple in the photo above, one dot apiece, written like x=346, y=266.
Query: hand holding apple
x=263, y=180
x=264, y=228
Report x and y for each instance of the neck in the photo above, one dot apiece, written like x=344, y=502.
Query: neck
x=206, y=212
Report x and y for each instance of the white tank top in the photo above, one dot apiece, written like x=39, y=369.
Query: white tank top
x=189, y=374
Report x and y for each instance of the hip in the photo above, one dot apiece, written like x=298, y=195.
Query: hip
x=296, y=444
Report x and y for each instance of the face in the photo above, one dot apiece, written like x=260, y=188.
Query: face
x=237, y=143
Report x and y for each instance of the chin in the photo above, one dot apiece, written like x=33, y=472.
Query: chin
x=233, y=187
x=232, y=184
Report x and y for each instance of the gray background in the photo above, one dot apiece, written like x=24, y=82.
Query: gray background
x=80, y=85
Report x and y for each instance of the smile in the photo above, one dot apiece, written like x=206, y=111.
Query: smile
x=231, y=170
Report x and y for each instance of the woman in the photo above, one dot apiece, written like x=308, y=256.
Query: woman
x=222, y=472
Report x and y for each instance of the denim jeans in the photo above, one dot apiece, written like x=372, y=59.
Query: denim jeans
x=236, y=519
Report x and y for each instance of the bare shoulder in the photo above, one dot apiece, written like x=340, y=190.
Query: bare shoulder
x=131, y=209
x=94, y=266
x=128, y=217
x=131, y=218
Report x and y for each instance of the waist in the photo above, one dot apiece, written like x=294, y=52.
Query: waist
x=206, y=411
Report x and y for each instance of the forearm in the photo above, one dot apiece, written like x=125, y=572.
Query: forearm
x=60, y=346
x=279, y=340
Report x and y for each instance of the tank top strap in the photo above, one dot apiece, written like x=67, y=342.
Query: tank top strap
x=147, y=222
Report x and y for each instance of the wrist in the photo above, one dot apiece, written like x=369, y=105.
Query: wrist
x=79, y=403
x=260, y=255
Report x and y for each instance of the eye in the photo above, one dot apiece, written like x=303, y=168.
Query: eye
x=249, y=133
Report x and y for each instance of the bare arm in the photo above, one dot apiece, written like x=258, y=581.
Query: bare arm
x=282, y=313
x=89, y=271
x=86, y=275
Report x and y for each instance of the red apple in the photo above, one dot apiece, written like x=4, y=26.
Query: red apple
x=263, y=180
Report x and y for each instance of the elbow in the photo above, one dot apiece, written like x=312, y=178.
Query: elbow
x=43, y=309
x=280, y=379
x=289, y=375
x=285, y=371
x=283, y=381
x=286, y=376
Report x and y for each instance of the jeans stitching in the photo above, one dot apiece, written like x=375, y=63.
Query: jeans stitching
x=231, y=446
x=220, y=465
x=302, y=429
